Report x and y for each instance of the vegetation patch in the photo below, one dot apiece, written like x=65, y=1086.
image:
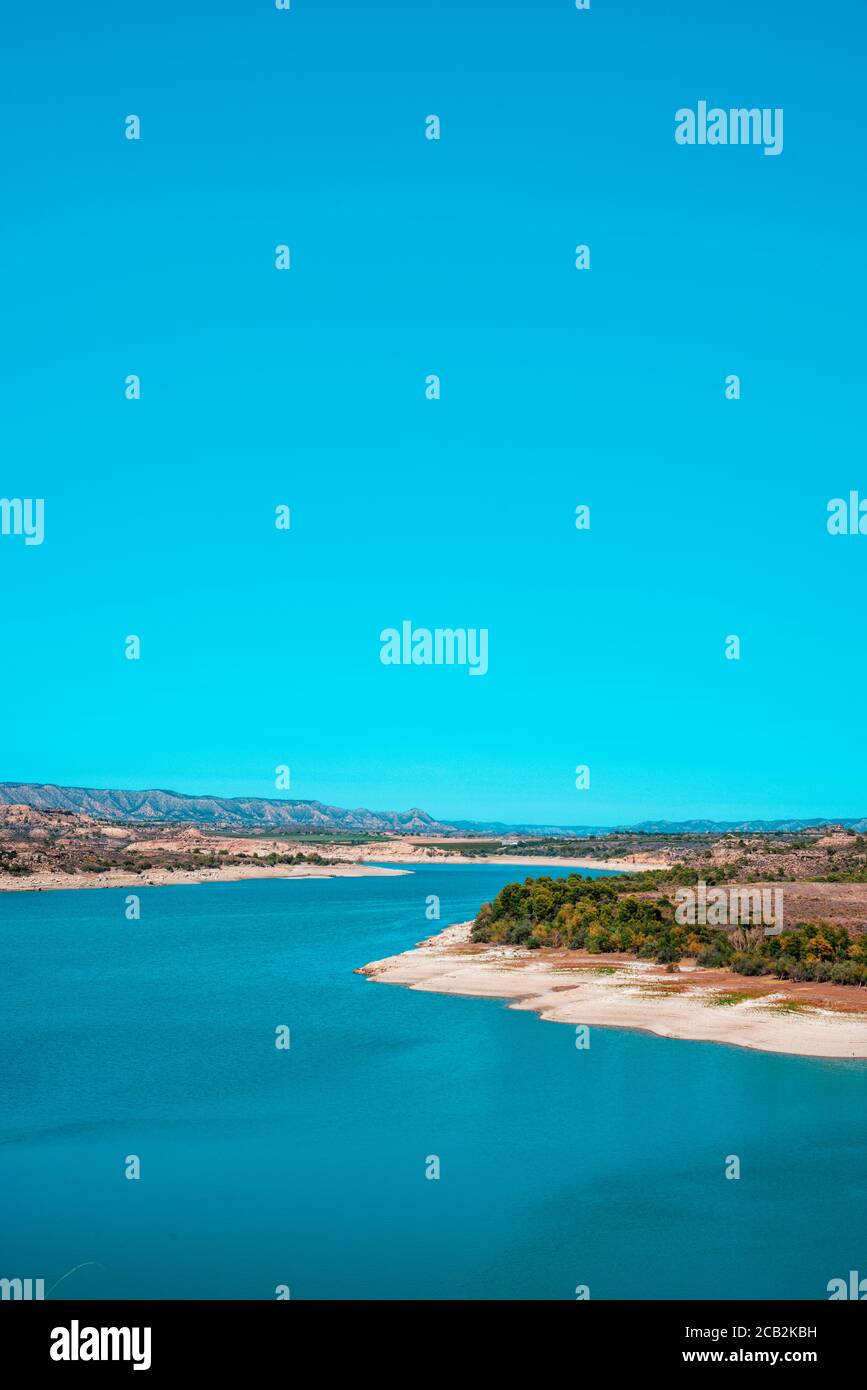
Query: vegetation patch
x=604, y=916
x=724, y=999
x=661, y=988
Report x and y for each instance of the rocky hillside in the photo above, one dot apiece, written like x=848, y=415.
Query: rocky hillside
x=249, y=811
x=34, y=842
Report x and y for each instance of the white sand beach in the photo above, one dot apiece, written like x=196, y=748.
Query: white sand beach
x=702, y=1005
x=408, y=851
x=161, y=878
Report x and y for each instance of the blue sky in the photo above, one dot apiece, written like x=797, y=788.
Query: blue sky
x=454, y=257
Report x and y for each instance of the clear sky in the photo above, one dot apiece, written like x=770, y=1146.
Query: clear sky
x=410, y=256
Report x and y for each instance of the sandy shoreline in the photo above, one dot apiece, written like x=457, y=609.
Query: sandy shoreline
x=404, y=852
x=531, y=862
x=162, y=878
x=349, y=866
x=700, y=1005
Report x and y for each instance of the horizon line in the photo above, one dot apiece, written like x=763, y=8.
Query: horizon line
x=454, y=821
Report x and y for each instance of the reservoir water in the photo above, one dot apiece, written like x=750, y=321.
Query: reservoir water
x=306, y=1167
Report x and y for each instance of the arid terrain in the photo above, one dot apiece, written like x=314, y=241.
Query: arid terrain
x=44, y=849
x=41, y=850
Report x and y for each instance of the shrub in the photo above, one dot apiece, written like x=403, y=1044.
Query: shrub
x=744, y=964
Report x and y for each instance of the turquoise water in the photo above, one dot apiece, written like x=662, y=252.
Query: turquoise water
x=306, y=1168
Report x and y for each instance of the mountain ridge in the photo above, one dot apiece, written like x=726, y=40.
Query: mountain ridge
x=161, y=804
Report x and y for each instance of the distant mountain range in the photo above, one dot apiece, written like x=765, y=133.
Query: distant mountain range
x=276, y=813
x=746, y=827
x=663, y=827
x=249, y=811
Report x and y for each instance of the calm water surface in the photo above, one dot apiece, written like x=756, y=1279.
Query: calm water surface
x=306, y=1168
